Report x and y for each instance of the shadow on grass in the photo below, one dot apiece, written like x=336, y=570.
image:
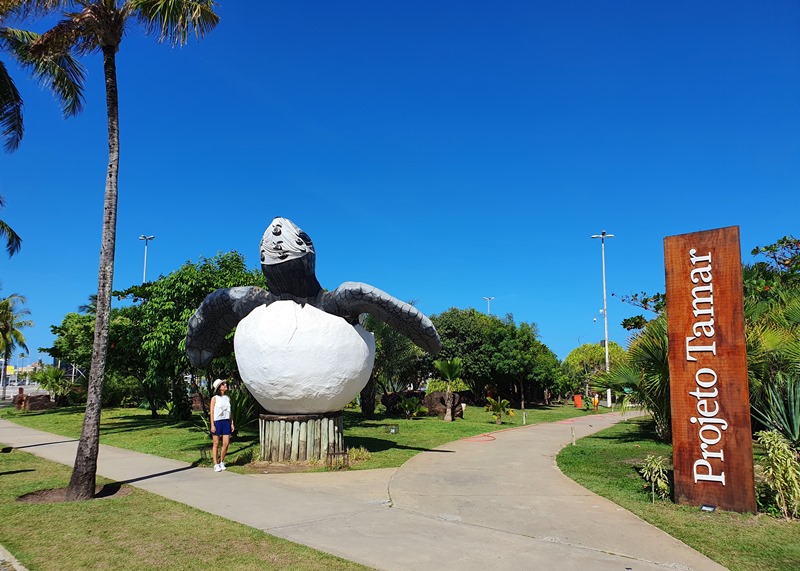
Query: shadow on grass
x=644, y=429
x=380, y=445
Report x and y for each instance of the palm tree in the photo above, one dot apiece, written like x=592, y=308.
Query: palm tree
x=450, y=370
x=13, y=241
x=98, y=26
x=59, y=72
x=11, y=324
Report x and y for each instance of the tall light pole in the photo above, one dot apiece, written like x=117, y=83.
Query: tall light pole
x=488, y=305
x=146, y=241
x=603, y=237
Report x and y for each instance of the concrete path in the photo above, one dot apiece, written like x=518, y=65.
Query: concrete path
x=496, y=502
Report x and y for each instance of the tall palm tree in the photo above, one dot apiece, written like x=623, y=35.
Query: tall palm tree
x=11, y=325
x=98, y=26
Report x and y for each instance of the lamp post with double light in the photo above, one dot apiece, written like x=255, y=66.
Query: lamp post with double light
x=146, y=241
x=603, y=235
x=488, y=304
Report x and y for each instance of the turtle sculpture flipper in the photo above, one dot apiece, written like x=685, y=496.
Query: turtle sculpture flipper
x=219, y=313
x=351, y=299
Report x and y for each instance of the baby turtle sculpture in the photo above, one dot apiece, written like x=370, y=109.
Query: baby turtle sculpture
x=300, y=349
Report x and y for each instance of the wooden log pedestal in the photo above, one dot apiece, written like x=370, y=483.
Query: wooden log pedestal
x=301, y=437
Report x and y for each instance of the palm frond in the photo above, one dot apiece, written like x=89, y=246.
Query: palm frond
x=56, y=69
x=13, y=241
x=174, y=20
x=11, y=123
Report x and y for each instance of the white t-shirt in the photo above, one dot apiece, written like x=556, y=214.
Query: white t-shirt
x=222, y=407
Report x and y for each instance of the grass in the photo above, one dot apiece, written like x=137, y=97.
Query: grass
x=156, y=534
x=607, y=463
x=135, y=429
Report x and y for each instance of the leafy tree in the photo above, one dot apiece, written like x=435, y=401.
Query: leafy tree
x=94, y=26
x=655, y=303
x=783, y=255
x=396, y=357
x=73, y=340
x=467, y=333
x=157, y=327
x=73, y=344
x=525, y=360
x=584, y=365
x=11, y=326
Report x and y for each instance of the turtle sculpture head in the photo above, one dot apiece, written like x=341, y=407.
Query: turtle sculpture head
x=300, y=349
x=288, y=260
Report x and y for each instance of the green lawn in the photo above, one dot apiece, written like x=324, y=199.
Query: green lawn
x=135, y=532
x=607, y=464
x=135, y=429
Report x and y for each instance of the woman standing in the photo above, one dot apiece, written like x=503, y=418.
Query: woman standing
x=221, y=423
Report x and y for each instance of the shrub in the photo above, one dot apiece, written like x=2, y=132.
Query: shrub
x=654, y=472
x=440, y=386
x=781, y=410
x=781, y=472
x=411, y=406
x=498, y=408
x=358, y=454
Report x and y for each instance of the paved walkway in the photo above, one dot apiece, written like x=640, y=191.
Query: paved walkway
x=496, y=501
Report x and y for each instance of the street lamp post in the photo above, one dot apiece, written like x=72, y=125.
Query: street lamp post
x=603, y=237
x=146, y=241
x=488, y=305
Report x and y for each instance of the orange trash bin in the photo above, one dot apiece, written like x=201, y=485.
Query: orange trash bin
x=578, y=401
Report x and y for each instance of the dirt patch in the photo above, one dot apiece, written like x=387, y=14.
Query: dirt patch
x=278, y=468
x=59, y=495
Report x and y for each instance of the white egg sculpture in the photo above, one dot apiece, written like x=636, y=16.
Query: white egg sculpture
x=297, y=359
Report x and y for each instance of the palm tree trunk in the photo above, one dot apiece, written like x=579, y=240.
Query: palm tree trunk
x=83, y=481
x=3, y=373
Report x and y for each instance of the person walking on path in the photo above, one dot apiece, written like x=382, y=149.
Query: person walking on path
x=221, y=423
x=595, y=401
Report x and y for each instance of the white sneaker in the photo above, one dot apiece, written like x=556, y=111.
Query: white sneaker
x=222, y=466
x=218, y=468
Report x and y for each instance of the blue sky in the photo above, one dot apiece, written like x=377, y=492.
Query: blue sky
x=441, y=151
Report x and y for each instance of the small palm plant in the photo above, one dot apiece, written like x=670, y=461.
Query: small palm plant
x=450, y=370
x=498, y=408
x=654, y=471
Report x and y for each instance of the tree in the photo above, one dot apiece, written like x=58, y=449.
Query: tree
x=58, y=71
x=646, y=373
x=467, y=334
x=526, y=364
x=157, y=323
x=99, y=26
x=584, y=365
x=11, y=326
x=450, y=371
x=396, y=356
